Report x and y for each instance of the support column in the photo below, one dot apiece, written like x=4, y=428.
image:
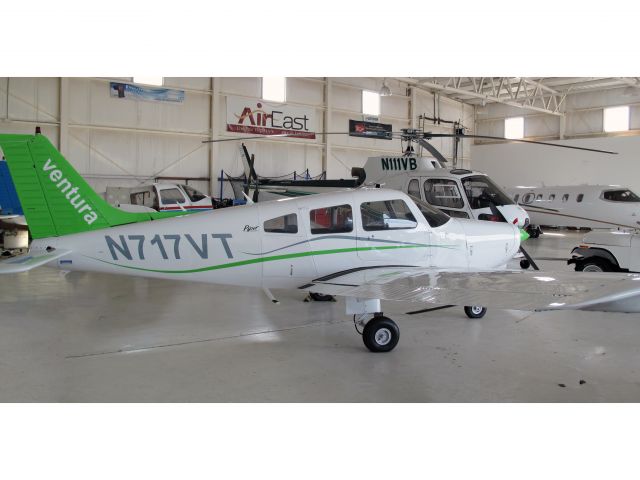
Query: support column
x=563, y=124
x=413, y=122
x=63, y=117
x=328, y=113
x=214, y=115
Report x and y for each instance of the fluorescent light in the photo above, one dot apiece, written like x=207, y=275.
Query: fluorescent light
x=274, y=89
x=514, y=127
x=370, y=103
x=159, y=81
x=616, y=119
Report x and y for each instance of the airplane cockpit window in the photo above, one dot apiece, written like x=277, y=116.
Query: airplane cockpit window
x=579, y=197
x=414, y=188
x=171, y=196
x=565, y=197
x=338, y=219
x=282, y=224
x=432, y=215
x=623, y=195
x=193, y=194
x=386, y=215
x=482, y=192
x=442, y=193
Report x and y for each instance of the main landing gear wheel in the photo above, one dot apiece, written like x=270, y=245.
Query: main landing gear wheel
x=321, y=297
x=475, y=311
x=381, y=334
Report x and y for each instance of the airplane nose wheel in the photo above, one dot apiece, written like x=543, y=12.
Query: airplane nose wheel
x=381, y=334
x=475, y=311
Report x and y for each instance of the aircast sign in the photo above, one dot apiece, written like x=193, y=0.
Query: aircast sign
x=248, y=115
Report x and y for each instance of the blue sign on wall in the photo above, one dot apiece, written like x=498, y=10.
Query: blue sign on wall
x=136, y=92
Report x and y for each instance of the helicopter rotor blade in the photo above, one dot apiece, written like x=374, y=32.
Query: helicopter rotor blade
x=503, y=139
x=285, y=135
x=432, y=150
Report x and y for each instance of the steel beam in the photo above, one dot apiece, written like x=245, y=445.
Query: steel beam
x=489, y=98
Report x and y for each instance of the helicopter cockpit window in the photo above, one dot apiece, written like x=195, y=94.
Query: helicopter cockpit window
x=620, y=196
x=433, y=216
x=443, y=193
x=338, y=219
x=414, y=188
x=386, y=215
x=482, y=192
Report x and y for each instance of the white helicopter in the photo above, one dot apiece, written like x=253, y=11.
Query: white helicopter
x=365, y=244
x=458, y=192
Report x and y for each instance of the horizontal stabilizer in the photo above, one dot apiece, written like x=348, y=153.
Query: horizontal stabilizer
x=22, y=263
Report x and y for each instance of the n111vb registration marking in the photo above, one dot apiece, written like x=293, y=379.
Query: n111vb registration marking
x=170, y=245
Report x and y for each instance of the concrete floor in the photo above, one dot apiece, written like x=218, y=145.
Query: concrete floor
x=101, y=338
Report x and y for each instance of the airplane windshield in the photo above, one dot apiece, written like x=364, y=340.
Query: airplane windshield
x=620, y=196
x=482, y=192
x=432, y=215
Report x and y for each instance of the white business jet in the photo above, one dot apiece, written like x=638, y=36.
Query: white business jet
x=580, y=206
x=365, y=244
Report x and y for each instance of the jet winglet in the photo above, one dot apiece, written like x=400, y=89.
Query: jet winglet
x=28, y=261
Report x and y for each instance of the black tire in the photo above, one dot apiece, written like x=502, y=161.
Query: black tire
x=475, y=311
x=595, y=264
x=525, y=264
x=381, y=334
x=321, y=297
x=534, y=232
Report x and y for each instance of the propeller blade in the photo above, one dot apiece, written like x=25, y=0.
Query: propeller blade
x=489, y=137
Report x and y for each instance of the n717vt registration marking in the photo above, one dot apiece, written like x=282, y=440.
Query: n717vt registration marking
x=126, y=246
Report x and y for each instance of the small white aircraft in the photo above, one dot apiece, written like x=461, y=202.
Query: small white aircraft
x=365, y=244
x=161, y=197
x=580, y=206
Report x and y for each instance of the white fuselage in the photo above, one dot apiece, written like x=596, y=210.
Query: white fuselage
x=231, y=246
x=586, y=206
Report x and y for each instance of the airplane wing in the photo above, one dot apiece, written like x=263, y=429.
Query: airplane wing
x=22, y=263
x=504, y=289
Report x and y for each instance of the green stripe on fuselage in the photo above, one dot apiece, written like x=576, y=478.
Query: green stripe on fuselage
x=272, y=258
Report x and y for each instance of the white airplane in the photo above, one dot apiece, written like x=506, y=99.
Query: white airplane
x=580, y=206
x=365, y=244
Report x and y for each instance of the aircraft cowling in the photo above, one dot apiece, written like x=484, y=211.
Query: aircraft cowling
x=490, y=244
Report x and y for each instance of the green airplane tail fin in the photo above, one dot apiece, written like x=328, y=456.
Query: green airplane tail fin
x=56, y=200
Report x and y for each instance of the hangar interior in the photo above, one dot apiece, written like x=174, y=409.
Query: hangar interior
x=97, y=337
